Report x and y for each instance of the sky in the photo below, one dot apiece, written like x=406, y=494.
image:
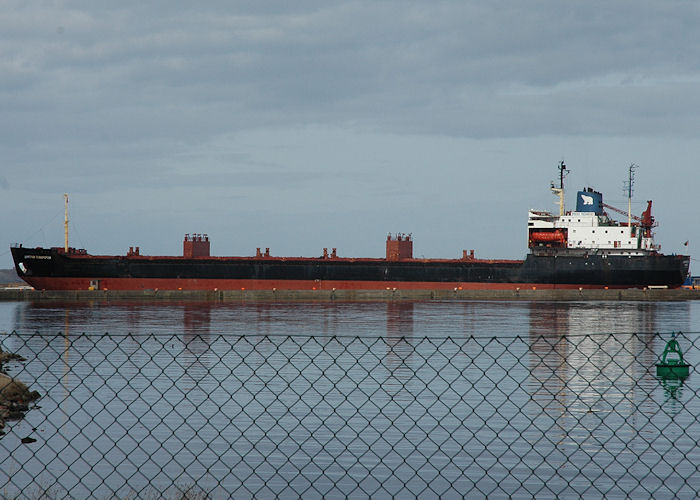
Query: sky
x=310, y=124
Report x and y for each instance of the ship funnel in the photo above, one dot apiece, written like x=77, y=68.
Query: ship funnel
x=589, y=201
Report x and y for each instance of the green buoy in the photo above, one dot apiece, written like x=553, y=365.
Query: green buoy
x=675, y=367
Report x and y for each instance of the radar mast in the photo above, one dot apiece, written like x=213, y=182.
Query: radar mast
x=630, y=188
x=559, y=191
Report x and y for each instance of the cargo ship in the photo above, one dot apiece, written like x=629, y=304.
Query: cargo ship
x=583, y=248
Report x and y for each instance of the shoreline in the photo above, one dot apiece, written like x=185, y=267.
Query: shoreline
x=629, y=294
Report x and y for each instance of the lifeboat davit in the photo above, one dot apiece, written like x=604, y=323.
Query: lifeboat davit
x=548, y=237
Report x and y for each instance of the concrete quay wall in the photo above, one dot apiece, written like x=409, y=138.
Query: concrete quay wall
x=632, y=294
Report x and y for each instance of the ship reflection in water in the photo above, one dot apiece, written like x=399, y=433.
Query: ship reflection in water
x=531, y=379
x=567, y=340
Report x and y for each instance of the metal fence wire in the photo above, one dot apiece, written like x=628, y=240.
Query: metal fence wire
x=218, y=416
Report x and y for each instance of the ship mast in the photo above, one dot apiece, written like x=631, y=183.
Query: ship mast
x=630, y=183
x=65, y=222
x=559, y=191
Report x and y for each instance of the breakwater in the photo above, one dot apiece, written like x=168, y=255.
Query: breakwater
x=631, y=294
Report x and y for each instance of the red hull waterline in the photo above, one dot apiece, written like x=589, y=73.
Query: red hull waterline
x=47, y=283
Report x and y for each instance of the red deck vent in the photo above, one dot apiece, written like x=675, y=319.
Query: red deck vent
x=196, y=245
x=399, y=246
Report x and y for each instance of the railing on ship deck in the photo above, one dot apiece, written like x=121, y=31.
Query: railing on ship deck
x=217, y=416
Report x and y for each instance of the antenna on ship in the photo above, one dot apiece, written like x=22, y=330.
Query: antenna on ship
x=65, y=222
x=629, y=186
x=559, y=191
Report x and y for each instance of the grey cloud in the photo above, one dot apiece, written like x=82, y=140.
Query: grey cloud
x=126, y=72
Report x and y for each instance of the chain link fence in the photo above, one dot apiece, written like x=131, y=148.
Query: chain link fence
x=218, y=416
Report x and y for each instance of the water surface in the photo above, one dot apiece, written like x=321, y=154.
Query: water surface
x=361, y=399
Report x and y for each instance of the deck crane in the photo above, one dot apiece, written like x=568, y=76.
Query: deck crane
x=646, y=221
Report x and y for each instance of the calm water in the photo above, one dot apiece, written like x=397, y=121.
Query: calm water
x=359, y=399
x=418, y=319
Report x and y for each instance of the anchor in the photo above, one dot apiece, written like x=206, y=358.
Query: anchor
x=675, y=367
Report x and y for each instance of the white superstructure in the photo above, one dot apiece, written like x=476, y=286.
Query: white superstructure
x=590, y=228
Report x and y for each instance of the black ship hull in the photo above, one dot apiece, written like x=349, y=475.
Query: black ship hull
x=54, y=269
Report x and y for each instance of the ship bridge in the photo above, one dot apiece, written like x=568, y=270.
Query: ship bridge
x=587, y=229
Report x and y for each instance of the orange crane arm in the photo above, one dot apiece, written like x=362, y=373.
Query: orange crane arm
x=644, y=221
